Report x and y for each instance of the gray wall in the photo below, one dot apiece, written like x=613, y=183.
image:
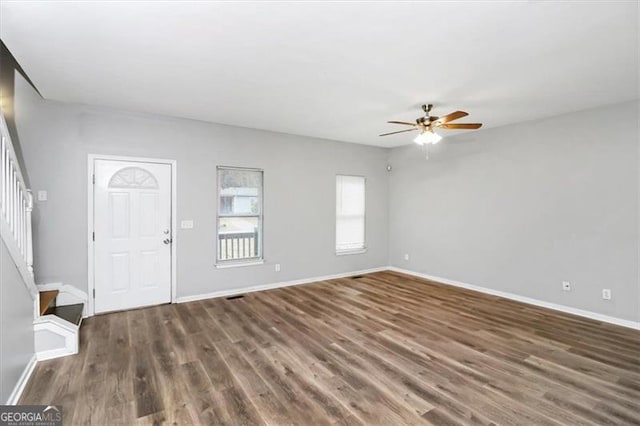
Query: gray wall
x=517, y=209
x=524, y=207
x=16, y=324
x=299, y=191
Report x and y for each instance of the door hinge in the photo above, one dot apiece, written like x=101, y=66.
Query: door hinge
x=93, y=236
x=94, y=293
x=94, y=179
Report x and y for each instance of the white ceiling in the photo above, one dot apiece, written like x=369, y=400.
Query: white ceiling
x=331, y=70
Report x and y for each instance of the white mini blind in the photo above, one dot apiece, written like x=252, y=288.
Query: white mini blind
x=350, y=211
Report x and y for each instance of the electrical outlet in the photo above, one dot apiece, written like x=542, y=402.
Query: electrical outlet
x=406, y=256
x=277, y=267
x=606, y=293
x=566, y=286
x=42, y=196
x=186, y=224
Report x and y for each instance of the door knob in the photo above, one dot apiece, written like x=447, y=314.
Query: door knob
x=167, y=241
x=166, y=231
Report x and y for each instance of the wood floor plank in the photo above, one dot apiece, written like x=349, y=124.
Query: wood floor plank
x=145, y=384
x=210, y=408
x=385, y=348
x=241, y=409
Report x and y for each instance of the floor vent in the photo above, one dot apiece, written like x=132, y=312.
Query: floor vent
x=240, y=296
x=357, y=277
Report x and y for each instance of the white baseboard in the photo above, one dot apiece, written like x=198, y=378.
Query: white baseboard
x=55, y=353
x=22, y=381
x=562, y=308
x=236, y=291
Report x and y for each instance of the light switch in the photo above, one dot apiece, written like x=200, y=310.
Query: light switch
x=42, y=195
x=186, y=224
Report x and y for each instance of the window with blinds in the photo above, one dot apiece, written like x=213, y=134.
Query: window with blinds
x=350, y=214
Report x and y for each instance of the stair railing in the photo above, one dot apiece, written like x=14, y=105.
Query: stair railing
x=16, y=205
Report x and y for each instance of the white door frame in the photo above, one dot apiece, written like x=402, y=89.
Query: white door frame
x=90, y=220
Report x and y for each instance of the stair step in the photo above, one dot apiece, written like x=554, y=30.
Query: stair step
x=46, y=299
x=71, y=313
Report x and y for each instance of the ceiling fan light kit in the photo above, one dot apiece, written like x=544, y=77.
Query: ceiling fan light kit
x=428, y=123
x=427, y=137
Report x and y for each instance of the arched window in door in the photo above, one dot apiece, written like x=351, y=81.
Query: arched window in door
x=133, y=177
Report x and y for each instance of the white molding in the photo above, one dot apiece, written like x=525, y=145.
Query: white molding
x=238, y=264
x=351, y=251
x=251, y=289
x=528, y=300
x=174, y=220
x=22, y=381
x=64, y=288
x=50, y=286
x=58, y=326
x=54, y=353
x=36, y=307
x=55, y=323
x=90, y=223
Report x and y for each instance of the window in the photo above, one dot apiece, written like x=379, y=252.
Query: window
x=239, y=215
x=349, y=214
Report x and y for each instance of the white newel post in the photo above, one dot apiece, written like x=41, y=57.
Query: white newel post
x=29, y=238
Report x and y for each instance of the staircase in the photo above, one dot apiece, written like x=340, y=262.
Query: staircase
x=70, y=313
x=57, y=308
x=57, y=327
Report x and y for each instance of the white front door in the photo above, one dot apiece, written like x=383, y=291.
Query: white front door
x=132, y=240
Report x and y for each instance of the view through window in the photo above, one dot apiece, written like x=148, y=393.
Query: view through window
x=239, y=214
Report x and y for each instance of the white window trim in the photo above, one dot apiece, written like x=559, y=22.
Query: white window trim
x=363, y=249
x=351, y=251
x=238, y=263
x=248, y=261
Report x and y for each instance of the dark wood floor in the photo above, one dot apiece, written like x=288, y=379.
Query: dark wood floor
x=382, y=349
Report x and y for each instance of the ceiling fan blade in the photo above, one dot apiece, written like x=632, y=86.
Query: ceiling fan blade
x=467, y=126
x=400, y=131
x=406, y=123
x=450, y=117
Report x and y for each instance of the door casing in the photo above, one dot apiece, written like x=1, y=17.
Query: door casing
x=90, y=221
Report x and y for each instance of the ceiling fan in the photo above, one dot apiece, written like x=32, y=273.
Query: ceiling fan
x=428, y=123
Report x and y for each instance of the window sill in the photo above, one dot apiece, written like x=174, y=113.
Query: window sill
x=348, y=252
x=239, y=264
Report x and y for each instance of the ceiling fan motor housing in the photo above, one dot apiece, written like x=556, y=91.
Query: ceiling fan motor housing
x=429, y=122
x=427, y=118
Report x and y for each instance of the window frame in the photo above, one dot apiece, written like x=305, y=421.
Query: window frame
x=247, y=261
x=359, y=250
